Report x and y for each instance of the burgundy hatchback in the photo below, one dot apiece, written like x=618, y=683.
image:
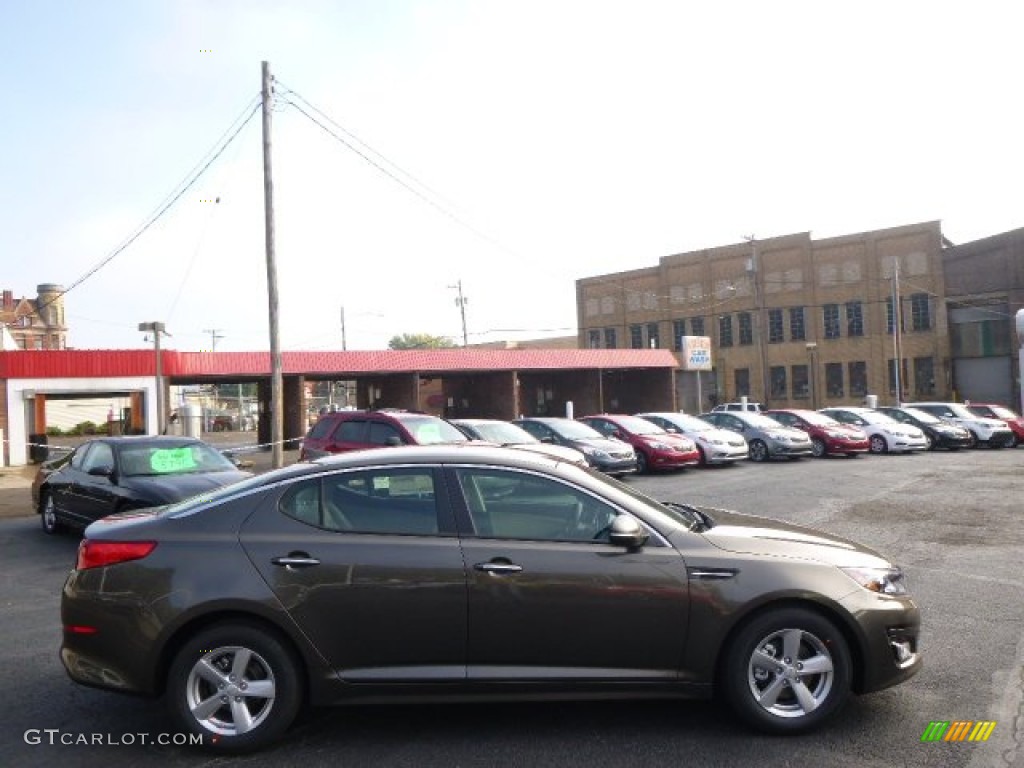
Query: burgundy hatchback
x=655, y=448
x=828, y=436
x=343, y=431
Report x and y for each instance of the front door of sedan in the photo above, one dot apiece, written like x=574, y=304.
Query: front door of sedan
x=551, y=598
x=85, y=491
x=368, y=565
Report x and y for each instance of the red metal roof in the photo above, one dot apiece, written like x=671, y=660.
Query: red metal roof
x=42, y=364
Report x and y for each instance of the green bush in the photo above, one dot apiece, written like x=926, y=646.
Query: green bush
x=54, y=431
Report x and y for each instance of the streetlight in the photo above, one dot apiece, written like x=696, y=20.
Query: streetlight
x=812, y=375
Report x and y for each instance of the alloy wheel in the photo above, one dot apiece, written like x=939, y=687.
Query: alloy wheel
x=790, y=673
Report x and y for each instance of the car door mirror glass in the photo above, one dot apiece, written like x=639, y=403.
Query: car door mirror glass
x=103, y=470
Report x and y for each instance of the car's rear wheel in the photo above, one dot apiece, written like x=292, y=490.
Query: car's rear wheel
x=758, y=450
x=929, y=442
x=818, y=447
x=878, y=444
x=236, y=685
x=787, y=671
x=48, y=515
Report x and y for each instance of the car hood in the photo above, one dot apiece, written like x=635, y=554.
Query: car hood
x=749, y=534
x=166, y=489
x=602, y=444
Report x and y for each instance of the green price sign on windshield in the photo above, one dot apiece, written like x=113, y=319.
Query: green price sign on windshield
x=165, y=461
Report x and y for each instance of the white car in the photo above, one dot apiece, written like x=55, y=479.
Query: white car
x=509, y=435
x=885, y=434
x=991, y=432
x=716, y=446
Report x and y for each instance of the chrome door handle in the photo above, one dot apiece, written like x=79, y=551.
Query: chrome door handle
x=294, y=561
x=498, y=567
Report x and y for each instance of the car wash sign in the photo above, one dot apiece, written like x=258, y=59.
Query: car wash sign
x=696, y=353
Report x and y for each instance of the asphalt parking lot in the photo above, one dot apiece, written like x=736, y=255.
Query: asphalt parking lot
x=953, y=520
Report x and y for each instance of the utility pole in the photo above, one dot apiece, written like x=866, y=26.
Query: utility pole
x=276, y=364
x=897, y=320
x=157, y=329
x=214, y=337
x=753, y=270
x=460, y=302
x=344, y=344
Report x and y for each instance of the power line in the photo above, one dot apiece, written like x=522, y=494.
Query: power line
x=190, y=179
x=394, y=176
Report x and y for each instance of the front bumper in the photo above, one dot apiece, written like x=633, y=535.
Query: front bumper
x=888, y=629
x=786, y=448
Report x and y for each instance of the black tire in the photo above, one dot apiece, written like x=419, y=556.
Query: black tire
x=642, y=465
x=930, y=442
x=818, y=448
x=51, y=523
x=267, y=666
x=758, y=451
x=878, y=444
x=974, y=440
x=703, y=457
x=762, y=686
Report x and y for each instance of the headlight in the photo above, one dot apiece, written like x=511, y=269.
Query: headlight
x=885, y=581
x=663, y=447
x=777, y=435
x=836, y=435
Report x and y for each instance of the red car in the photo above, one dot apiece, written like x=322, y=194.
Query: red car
x=828, y=436
x=1001, y=412
x=343, y=431
x=655, y=448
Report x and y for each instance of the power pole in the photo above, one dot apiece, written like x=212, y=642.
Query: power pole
x=754, y=271
x=157, y=328
x=344, y=344
x=214, y=337
x=460, y=302
x=897, y=321
x=276, y=364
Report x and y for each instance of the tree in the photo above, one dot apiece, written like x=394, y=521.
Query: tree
x=420, y=341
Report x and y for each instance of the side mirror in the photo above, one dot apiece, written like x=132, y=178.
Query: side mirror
x=104, y=470
x=672, y=430
x=393, y=440
x=627, y=532
x=548, y=439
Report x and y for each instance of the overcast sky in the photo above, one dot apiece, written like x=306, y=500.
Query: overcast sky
x=553, y=140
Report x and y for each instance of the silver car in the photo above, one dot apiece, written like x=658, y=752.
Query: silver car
x=716, y=446
x=766, y=437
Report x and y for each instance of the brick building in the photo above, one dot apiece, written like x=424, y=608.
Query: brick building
x=794, y=322
x=35, y=323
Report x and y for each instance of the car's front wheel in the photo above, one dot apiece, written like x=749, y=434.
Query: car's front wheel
x=642, y=465
x=236, y=685
x=758, y=450
x=818, y=447
x=48, y=515
x=878, y=444
x=787, y=671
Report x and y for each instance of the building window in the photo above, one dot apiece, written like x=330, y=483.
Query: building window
x=801, y=382
x=920, y=312
x=854, y=318
x=678, y=331
x=594, y=339
x=777, y=374
x=830, y=314
x=725, y=331
x=858, y=373
x=636, y=337
x=924, y=376
x=903, y=378
x=746, y=329
x=697, y=326
x=609, y=338
x=797, y=331
x=653, y=337
x=775, y=331
x=742, y=378
x=834, y=379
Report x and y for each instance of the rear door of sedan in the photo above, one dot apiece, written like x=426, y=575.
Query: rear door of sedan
x=550, y=598
x=367, y=563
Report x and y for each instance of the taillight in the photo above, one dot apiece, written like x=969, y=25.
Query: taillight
x=96, y=554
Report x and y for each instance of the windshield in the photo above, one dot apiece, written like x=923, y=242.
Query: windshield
x=819, y=419
x=923, y=416
x=689, y=423
x=877, y=417
x=147, y=460
x=574, y=430
x=961, y=411
x=428, y=430
x=638, y=426
x=502, y=433
x=677, y=516
x=757, y=420
x=997, y=410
